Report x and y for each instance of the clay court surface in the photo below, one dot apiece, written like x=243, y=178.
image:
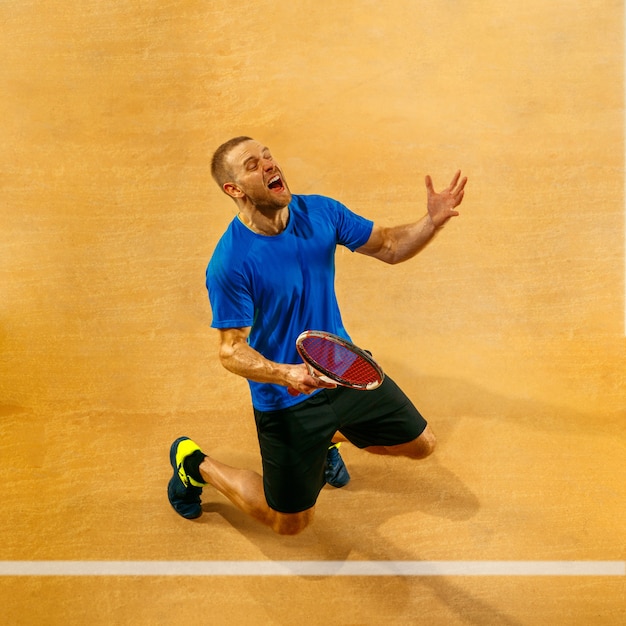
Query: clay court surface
x=508, y=332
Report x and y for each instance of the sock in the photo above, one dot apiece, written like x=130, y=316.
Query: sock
x=191, y=465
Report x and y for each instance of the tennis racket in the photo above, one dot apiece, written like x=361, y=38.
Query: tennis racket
x=336, y=360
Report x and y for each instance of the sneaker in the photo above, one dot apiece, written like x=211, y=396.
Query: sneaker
x=183, y=491
x=335, y=472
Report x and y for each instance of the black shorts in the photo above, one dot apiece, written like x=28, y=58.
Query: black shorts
x=294, y=441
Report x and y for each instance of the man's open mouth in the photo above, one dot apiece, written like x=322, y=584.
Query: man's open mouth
x=276, y=183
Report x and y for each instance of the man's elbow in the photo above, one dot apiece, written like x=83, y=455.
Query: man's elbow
x=225, y=356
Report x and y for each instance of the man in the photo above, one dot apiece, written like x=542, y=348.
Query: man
x=271, y=276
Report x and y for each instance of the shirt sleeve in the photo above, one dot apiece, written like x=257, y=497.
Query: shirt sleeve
x=229, y=295
x=353, y=231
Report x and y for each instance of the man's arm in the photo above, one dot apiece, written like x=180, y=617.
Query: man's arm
x=238, y=357
x=399, y=243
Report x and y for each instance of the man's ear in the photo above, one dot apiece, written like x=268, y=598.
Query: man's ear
x=232, y=190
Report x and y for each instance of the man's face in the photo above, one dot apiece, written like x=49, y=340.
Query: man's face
x=257, y=176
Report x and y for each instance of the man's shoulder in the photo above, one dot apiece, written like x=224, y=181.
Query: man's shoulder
x=229, y=247
x=312, y=199
x=316, y=204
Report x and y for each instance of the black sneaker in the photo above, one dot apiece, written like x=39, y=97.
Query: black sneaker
x=183, y=491
x=336, y=473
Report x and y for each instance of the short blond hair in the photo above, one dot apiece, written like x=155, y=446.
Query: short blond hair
x=219, y=170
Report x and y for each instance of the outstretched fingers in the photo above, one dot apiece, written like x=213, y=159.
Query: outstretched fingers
x=441, y=205
x=457, y=188
x=455, y=180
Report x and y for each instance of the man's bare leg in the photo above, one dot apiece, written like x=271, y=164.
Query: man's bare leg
x=244, y=488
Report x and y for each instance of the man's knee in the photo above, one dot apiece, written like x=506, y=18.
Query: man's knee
x=420, y=448
x=425, y=444
x=292, y=523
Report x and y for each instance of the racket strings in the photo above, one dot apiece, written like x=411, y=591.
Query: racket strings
x=340, y=361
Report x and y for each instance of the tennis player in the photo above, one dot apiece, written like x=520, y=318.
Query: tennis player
x=272, y=276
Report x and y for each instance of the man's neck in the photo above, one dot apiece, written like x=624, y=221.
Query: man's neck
x=262, y=223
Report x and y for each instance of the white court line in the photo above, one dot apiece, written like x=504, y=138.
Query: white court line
x=312, y=568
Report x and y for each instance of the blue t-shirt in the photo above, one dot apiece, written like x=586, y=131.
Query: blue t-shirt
x=281, y=285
